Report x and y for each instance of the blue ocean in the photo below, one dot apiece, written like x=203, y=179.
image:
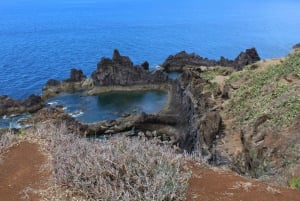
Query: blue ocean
x=44, y=39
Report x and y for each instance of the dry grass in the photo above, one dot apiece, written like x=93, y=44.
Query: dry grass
x=273, y=190
x=116, y=169
x=6, y=140
x=243, y=185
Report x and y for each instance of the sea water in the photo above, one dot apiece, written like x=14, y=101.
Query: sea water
x=40, y=40
x=109, y=106
x=13, y=121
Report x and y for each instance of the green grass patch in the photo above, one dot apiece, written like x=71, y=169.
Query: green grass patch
x=266, y=92
x=212, y=73
x=295, y=182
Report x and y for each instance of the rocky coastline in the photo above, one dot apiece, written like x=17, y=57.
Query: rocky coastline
x=182, y=60
x=194, y=130
x=192, y=119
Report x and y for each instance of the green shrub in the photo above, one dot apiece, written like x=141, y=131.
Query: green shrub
x=295, y=182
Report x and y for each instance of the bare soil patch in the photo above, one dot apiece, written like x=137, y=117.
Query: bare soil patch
x=212, y=185
x=21, y=170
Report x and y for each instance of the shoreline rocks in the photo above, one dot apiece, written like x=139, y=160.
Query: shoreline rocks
x=111, y=74
x=10, y=106
x=191, y=120
x=76, y=82
x=182, y=60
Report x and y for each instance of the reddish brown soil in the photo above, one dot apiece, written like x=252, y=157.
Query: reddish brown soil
x=214, y=185
x=20, y=169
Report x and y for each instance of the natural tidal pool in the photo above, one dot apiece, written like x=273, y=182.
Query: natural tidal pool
x=111, y=105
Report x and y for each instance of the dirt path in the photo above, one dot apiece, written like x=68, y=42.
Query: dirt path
x=210, y=185
x=21, y=169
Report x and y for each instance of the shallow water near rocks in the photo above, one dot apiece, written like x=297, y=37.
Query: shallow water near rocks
x=44, y=39
x=109, y=106
x=12, y=121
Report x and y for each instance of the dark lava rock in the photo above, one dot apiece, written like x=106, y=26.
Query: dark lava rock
x=183, y=59
x=296, y=46
x=245, y=58
x=52, y=82
x=210, y=127
x=72, y=84
x=145, y=65
x=76, y=75
x=120, y=71
x=31, y=101
x=7, y=102
x=10, y=106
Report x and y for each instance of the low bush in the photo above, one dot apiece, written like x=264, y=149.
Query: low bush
x=6, y=139
x=116, y=169
x=295, y=182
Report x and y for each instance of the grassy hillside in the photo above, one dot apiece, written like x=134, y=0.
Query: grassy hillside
x=272, y=90
x=260, y=107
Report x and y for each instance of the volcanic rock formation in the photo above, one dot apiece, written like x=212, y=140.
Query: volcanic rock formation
x=183, y=59
x=120, y=71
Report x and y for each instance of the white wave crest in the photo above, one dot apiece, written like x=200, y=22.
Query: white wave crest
x=76, y=114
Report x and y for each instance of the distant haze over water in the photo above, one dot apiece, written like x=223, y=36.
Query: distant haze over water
x=40, y=40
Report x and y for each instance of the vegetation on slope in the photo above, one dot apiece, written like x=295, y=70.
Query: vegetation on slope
x=6, y=140
x=260, y=106
x=119, y=168
x=271, y=91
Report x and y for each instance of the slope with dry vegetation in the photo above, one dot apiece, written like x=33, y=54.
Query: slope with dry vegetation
x=260, y=107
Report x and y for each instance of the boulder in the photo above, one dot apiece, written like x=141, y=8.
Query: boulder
x=245, y=58
x=145, y=65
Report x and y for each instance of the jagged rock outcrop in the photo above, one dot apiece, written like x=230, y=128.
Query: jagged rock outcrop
x=76, y=76
x=120, y=71
x=245, y=58
x=76, y=82
x=10, y=106
x=200, y=127
x=182, y=60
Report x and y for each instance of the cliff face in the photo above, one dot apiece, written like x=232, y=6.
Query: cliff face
x=120, y=71
x=247, y=120
x=260, y=108
x=201, y=126
x=184, y=60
